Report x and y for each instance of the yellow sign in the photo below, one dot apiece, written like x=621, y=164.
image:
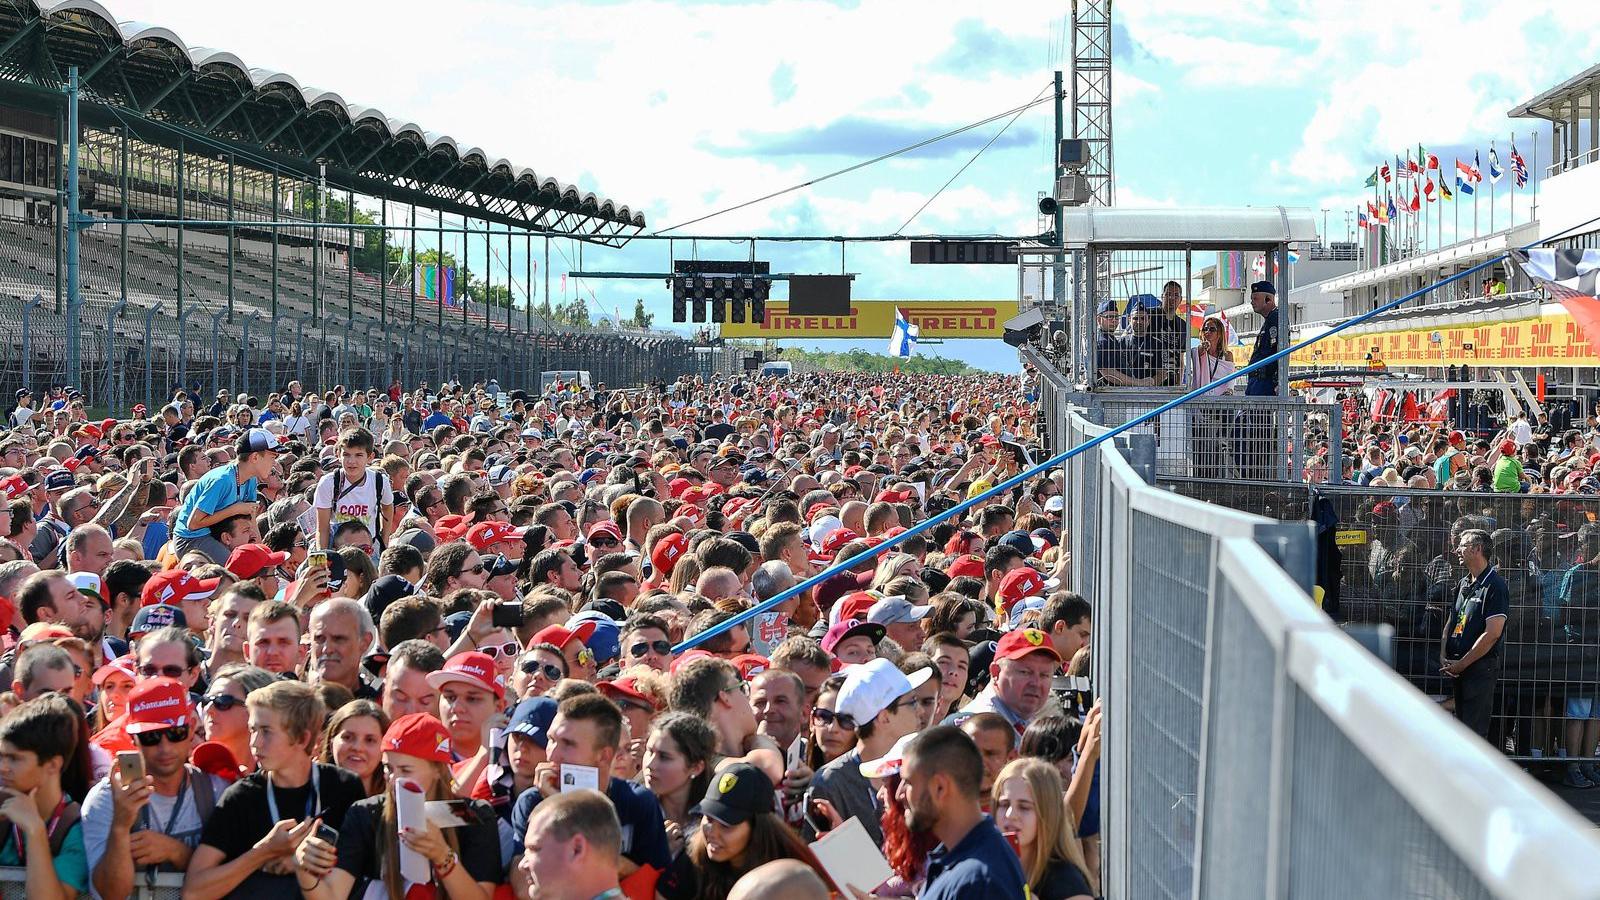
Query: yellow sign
x=1553, y=340
x=1349, y=537
x=875, y=319
x=727, y=782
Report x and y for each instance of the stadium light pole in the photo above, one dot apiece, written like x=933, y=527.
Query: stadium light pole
x=74, y=361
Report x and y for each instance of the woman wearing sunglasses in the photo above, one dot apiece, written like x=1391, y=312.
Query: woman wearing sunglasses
x=828, y=739
x=538, y=670
x=222, y=712
x=1209, y=362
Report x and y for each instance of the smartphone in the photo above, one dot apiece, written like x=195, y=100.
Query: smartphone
x=819, y=822
x=328, y=834
x=316, y=559
x=130, y=765
x=507, y=615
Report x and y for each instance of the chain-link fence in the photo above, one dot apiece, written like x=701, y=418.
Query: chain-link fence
x=1251, y=748
x=1234, y=438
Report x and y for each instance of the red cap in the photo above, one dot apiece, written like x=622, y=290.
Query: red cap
x=666, y=553
x=1023, y=641
x=677, y=486
x=626, y=688
x=856, y=605
x=1457, y=437
x=683, y=660
x=750, y=665
x=122, y=665
x=156, y=704
x=988, y=440
x=450, y=527
x=174, y=586
x=90, y=431
x=471, y=668
x=735, y=504
x=818, y=509
x=1018, y=583
x=249, y=560
x=1508, y=447
x=139, y=409
x=837, y=538
x=690, y=513
x=561, y=635
x=215, y=757
x=696, y=495
x=71, y=463
x=968, y=564
x=419, y=735
x=484, y=535
x=14, y=487
x=853, y=471
x=893, y=496
x=605, y=528
x=106, y=425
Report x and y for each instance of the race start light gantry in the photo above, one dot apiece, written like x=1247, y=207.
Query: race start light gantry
x=722, y=282
x=964, y=252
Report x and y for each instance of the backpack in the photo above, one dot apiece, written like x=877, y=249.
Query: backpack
x=381, y=494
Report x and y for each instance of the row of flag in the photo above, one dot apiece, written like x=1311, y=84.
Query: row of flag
x=1468, y=176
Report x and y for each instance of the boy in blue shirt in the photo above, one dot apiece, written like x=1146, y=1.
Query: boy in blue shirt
x=222, y=493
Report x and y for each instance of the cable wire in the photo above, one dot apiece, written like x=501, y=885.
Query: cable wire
x=851, y=168
x=1009, y=123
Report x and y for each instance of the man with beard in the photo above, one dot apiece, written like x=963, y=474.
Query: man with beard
x=939, y=789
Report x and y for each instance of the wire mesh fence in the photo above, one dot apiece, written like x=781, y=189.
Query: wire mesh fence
x=1235, y=438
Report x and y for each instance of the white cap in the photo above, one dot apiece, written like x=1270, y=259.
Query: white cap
x=892, y=610
x=821, y=528
x=1055, y=503
x=869, y=688
x=889, y=763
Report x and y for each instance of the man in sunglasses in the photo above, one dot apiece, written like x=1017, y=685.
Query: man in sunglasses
x=155, y=820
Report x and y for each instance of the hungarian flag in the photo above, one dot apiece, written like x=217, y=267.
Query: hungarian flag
x=1568, y=275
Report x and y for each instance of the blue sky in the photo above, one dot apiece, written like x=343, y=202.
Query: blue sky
x=685, y=108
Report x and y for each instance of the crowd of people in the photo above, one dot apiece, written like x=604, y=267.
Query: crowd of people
x=464, y=642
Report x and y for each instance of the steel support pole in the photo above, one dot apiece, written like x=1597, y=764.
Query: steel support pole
x=1058, y=267
x=112, y=315
x=275, y=202
x=27, y=339
x=244, y=353
x=350, y=254
x=383, y=272
x=180, y=278
x=122, y=273
x=183, y=348
x=216, y=349
x=233, y=238
x=150, y=356
x=74, y=295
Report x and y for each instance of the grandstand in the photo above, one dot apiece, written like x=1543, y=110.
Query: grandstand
x=172, y=136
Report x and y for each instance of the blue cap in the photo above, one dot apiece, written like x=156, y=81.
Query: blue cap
x=59, y=481
x=1021, y=541
x=260, y=440
x=1264, y=287
x=532, y=717
x=1144, y=301
x=1106, y=306
x=160, y=615
x=587, y=475
x=606, y=641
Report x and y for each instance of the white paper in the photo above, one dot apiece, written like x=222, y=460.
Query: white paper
x=849, y=856
x=497, y=745
x=577, y=778
x=441, y=814
x=411, y=811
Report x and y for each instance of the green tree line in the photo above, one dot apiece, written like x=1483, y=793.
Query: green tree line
x=863, y=361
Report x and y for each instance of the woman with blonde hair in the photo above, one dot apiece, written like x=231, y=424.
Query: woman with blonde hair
x=1207, y=363
x=892, y=566
x=1029, y=807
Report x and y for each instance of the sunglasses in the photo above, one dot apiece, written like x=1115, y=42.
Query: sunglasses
x=223, y=702
x=177, y=734
x=604, y=540
x=829, y=717
x=663, y=648
x=476, y=570
x=534, y=667
x=168, y=671
x=495, y=651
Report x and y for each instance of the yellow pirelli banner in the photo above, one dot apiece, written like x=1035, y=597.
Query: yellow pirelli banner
x=1552, y=340
x=875, y=319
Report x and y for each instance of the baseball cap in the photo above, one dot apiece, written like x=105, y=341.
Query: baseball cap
x=607, y=607
x=889, y=763
x=666, y=553
x=869, y=688
x=260, y=440
x=1263, y=287
x=249, y=560
x=418, y=734
x=156, y=704
x=561, y=635
x=849, y=628
x=473, y=669
x=122, y=665
x=967, y=564
x=1457, y=437
x=1055, y=504
x=1024, y=606
x=856, y=605
x=44, y=631
x=59, y=481
x=890, y=495
x=89, y=584
x=1019, y=541
x=386, y=590
x=1020, y=582
x=750, y=665
x=1020, y=643
x=609, y=528
x=175, y=586
x=896, y=609
x=484, y=535
x=604, y=638
x=737, y=794
x=496, y=565
x=627, y=689
x=836, y=539
x=14, y=487
x=501, y=474
x=532, y=717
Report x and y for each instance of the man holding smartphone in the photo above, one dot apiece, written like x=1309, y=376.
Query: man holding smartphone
x=149, y=812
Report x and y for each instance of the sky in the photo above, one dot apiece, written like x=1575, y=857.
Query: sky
x=685, y=108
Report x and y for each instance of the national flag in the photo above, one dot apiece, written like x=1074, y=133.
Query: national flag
x=1468, y=172
x=1414, y=164
x=1444, y=191
x=1372, y=209
x=1416, y=199
x=1389, y=214
x=1401, y=169
x=1385, y=172
x=1464, y=186
x=1569, y=276
x=1519, y=167
x=1372, y=180
x=1361, y=219
x=1495, y=172
x=1433, y=160
x=903, y=339
x=1427, y=189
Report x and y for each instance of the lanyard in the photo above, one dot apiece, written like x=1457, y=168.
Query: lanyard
x=49, y=831
x=177, y=806
x=311, y=799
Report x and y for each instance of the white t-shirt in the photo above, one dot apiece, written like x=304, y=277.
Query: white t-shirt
x=1521, y=432
x=356, y=502
x=97, y=820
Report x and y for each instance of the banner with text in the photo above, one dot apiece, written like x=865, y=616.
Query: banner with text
x=1549, y=340
x=946, y=319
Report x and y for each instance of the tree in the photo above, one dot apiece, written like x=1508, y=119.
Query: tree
x=641, y=318
x=859, y=360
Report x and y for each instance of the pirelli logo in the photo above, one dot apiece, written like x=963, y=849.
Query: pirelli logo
x=951, y=319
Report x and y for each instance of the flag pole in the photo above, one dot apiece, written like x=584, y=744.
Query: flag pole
x=1455, y=214
x=1512, y=192
x=1533, y=173
x=1491, y=185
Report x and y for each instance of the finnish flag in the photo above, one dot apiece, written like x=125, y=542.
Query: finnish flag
x=903, y=339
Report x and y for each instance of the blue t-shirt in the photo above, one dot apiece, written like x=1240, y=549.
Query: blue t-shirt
x=155, y=535
x=71, y=864
x=435, y=420
x=218, y=489
x=644, y=831
x=983, y=865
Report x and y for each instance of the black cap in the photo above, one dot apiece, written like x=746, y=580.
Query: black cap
x=737, y=794
x=1264, y=287
x=496, y=565
x=385, y=591
x=607, y=607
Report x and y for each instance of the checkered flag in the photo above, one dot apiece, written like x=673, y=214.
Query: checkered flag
x=1570, y=276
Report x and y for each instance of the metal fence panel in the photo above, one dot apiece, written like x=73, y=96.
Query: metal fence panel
x=1238, y=438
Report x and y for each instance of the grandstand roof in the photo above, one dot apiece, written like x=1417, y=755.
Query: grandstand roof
x=149, y=79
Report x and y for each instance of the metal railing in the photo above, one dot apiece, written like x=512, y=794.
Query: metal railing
x=1252, y=749
x=165, y=886
x=1232, y=437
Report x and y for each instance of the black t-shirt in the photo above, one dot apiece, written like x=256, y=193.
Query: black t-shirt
x=1062, y=880
x=243, y=817
x=717, y=431
x=358, y=844
x=1477, y=601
